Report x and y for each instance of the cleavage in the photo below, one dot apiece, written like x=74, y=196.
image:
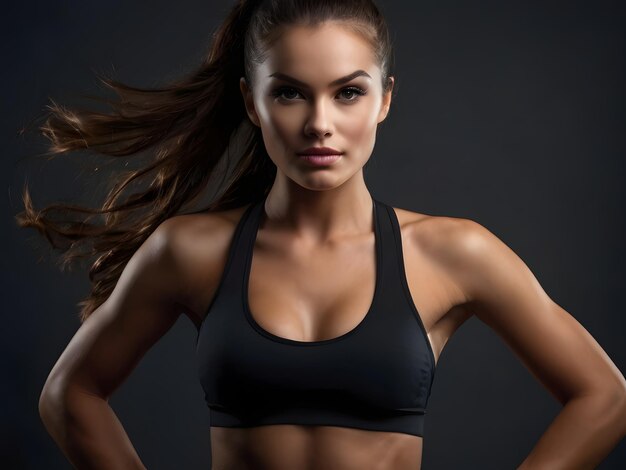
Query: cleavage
x=304, y=294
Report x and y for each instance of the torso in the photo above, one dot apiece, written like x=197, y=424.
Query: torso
x=436, y=297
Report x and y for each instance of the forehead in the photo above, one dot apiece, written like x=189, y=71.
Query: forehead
x=322, y=52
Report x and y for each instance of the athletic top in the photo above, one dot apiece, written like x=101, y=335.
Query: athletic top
x=377, y=376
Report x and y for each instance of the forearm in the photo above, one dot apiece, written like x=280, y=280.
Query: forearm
x=88, y=432
x=581, y=435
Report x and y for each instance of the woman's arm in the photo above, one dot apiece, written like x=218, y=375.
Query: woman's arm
x=559, y=352
x=104, y=351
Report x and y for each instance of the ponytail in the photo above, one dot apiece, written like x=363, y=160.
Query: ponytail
x=186, y=128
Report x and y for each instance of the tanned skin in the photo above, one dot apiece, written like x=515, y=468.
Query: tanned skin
x=455, y=269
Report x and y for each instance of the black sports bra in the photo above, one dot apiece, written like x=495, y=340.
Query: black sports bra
x=377, y=376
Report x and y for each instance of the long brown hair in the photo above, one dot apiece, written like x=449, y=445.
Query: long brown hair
x=188, y=128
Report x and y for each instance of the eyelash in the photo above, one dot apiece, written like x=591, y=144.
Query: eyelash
x=359, y=92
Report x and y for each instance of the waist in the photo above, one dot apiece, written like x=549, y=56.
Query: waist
x=314, y=448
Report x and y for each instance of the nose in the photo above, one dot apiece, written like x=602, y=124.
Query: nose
x=318, y=123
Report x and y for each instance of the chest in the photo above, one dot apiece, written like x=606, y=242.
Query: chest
x=310, y=335
x=310, y=294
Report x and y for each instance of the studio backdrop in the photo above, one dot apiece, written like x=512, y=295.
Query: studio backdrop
x=511, y=114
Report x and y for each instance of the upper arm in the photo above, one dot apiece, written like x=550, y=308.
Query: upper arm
x=141, y=309
x=504, y=294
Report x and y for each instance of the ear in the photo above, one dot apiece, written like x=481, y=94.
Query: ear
x=384, y=107
x=248, y=100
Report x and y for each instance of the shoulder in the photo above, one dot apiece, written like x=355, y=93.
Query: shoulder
x=466, y=250
x=441, y=236
x=451, y=239
x=186, y=233
x=198, y=246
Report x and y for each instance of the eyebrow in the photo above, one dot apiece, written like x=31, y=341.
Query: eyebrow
x=339, y=81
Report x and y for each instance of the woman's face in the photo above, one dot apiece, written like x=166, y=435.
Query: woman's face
x=297, y=105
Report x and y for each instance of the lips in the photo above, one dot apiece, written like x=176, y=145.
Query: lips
x=320, y=151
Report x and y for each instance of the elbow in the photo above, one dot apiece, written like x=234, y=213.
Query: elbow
x=607, y=404
x=620, y=404
x=44, y=407
x=50, y=405
x=62, y=401
x=612, y=404
x=619, y=401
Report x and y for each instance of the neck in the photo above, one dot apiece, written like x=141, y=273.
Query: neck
x=319, y=215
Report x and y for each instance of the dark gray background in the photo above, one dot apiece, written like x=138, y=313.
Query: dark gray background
x=508, y=113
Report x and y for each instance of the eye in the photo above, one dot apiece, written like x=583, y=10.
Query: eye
x=350, y=93
x=280, y=92
x=355, y=91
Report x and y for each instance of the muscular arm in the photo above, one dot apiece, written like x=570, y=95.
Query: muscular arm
x=103, y=352
x=504, y=294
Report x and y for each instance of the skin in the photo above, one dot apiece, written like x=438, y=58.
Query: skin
x=321, y=218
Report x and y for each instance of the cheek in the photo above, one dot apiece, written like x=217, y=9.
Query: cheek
x=286, y=122
x=359, y=130
x=278, y=127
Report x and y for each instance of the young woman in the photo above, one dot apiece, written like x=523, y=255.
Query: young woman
x=321, y=310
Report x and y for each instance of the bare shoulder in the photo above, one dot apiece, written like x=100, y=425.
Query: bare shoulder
x=466, y=250
x=443, y=237
x=187, y=227
x=199, y=243
x=455, y=245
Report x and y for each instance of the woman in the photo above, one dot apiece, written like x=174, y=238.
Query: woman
x=321, y=311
